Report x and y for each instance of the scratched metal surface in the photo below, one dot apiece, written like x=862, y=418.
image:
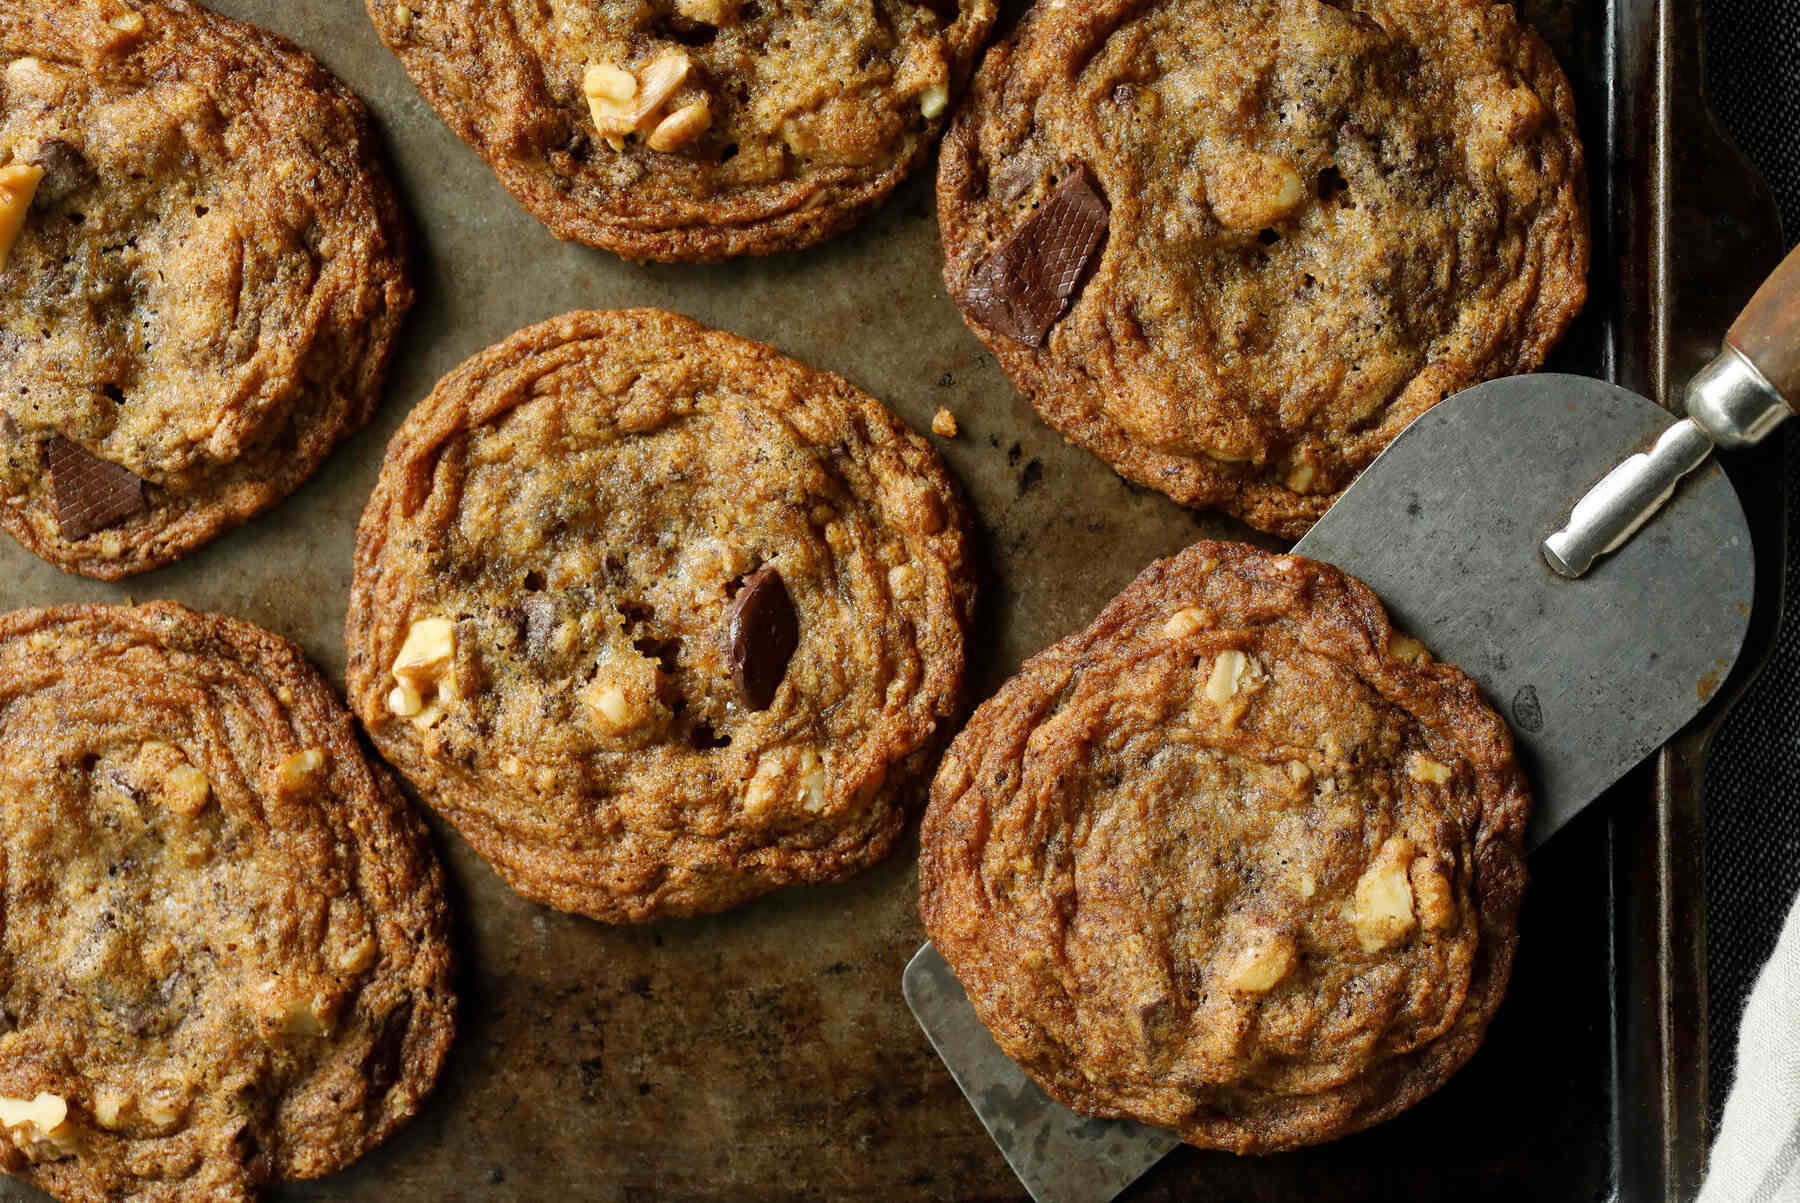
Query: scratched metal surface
x=767, y=1053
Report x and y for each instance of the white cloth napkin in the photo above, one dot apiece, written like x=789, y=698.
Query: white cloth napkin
x=1756, y=1158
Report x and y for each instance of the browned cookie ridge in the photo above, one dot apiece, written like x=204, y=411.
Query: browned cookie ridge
x=657, y=617
x=202, y=274
x=692, y=129
x=226, y=956
x=1238, y=860
x=1234, y=246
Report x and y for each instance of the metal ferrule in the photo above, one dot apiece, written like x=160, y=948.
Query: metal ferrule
x=1733, y=402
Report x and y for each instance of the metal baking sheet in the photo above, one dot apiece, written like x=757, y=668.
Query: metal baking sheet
x=766, y=1053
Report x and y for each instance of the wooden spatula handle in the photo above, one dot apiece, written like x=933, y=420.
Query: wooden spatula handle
x=1767, y=332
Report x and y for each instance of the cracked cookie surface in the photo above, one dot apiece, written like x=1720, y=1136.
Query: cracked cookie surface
x=1322, y=219
x=658, y=618
x=225, y=937
x=201, y=298
x=1237, y=860
x=692, y=129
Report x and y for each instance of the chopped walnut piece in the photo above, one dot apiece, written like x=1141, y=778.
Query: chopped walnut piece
x=1383, y=911
x=1183, y=622
x=162, y=771
x=405, y=700
x=681, y=127
x=289, y=1013
x=422, y=672
x=186, y=790
x=1232, y=671
x=800, y=771
x=1227, y=671
x=812, y=782
x=18, y=184
x=112, y=1107
x=1424, y=768
x=1262, y=963
x=430, y=642
x=39, y=1126
x=708, y=12
x=299, y=773
x=604, y=81
x=165, y=1107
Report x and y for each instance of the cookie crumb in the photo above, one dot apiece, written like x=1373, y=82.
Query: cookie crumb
x=944, y=422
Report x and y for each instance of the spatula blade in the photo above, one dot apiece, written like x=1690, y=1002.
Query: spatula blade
x=1593, y=674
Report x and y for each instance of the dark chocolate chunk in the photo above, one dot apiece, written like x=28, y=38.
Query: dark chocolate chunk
x=66, y=172
x=91, y=494
x=1026, y=285
x=764, y=631
x=8, y=427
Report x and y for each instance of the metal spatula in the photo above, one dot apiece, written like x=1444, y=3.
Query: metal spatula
x=1597, y=631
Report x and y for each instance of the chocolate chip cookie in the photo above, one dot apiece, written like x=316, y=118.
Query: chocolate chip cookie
x=692, y=129
x=658, y=618
x=201, y=276
x=1234, y=246
x=1238, y=860
x=224, y=931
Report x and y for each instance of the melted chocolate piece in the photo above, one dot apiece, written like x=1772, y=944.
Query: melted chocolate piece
x=91, y=494
x=66, y=172
x=1026, y=285
x=764, y=631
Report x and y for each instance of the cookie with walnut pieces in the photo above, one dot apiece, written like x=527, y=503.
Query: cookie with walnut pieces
x=1233, y=247
x=692, y=129
x=1238, y=860
x=226, y=943
x=659, y=619
x=202, y=275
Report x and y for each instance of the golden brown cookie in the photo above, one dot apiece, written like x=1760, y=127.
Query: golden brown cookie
x=202, y=273
x=692, y=129
x=1238, y=860
x=226, y=957
x=657, y=617
x=1234, y=246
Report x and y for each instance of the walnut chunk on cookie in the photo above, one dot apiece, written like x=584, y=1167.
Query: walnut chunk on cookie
x=1188, y=870
x=680, y=623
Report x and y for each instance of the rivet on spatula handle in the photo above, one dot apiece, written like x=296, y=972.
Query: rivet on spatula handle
x=1734, y=401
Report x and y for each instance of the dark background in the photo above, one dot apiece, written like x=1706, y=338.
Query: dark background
x=1753, y=785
